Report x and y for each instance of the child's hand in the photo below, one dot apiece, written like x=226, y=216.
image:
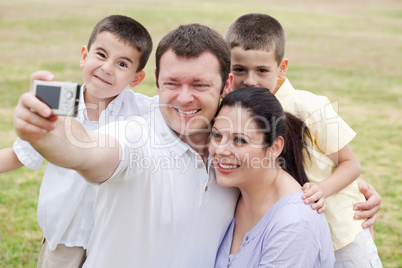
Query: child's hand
x=313, y=193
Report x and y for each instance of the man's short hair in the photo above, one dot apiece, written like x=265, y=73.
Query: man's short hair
x=127, y=30
x=257, y=32
x=192, y=40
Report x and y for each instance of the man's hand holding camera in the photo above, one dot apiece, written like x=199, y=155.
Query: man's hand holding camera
x=36, y=112
x=32, y=117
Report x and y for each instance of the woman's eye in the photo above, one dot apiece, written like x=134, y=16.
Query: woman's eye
x=216, y=135
x=239, y=140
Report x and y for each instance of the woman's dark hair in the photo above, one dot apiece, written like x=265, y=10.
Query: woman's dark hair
x=266, y=111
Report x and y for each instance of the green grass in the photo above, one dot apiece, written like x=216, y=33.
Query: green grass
x=348, y=51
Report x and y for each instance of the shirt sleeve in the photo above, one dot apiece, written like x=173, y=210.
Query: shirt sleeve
x=329, y=131
x=293, y=245
x=28, y=156
x=132, y=136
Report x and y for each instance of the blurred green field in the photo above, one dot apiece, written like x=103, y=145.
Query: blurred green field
x=348, y=51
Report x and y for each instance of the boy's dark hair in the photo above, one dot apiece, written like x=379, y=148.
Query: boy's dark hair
x=192, y=40
x=258, y=32
x=267, y=113
x=127, y=30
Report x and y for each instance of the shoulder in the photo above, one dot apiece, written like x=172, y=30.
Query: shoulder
x=291, y=211
x=310, y=101
x=301, y=103
x=132, y=130
x=139, y=103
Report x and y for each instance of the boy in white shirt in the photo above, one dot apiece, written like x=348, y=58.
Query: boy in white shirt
x=117, y=52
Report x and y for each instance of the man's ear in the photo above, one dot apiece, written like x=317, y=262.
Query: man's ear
x=228, y=85
x=138, y=79
x=283, y=68
x=84, y=54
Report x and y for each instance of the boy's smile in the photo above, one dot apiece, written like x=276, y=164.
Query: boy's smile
x=108, y=67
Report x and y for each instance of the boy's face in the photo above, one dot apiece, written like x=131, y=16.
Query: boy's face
x=256, y=68
x=108, y=67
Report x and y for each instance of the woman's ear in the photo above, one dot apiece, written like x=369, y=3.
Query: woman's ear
x=276, y=148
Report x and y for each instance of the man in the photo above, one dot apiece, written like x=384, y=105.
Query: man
x=157, y=206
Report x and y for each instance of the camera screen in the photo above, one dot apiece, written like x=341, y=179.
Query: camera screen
x=49, y=95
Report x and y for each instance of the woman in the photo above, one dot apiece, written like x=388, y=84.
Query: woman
x=258, y=148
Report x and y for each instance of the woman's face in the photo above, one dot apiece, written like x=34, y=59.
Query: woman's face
x=237, y=148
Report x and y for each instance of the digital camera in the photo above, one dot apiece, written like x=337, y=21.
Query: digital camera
x=62, y=97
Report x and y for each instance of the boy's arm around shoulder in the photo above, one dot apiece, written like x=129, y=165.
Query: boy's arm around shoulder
x=9, y=160
x=347, y=170
x=64, y=141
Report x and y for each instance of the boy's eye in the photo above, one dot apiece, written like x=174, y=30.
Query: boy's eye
x=238, y=70
x=101, y=55
x=122, y=64
x=262, y=70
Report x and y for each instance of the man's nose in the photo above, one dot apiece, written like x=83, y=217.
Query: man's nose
x=185, y=96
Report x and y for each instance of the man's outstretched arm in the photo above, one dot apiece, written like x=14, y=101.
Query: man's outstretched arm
x=64, y=141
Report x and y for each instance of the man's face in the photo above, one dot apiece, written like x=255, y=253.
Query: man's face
x=255, y=68
x=189, y=92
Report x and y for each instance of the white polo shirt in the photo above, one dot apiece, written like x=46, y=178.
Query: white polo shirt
x=65, y=206
x=161, y=208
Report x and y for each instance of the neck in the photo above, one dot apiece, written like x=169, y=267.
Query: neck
x=95, y=106
x=199, y=143
x=260, y=194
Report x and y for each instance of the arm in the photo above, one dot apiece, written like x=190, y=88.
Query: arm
x=64, y=141
x=369, y=208
x=9, y=160
x=313, y=193
x=347, y=170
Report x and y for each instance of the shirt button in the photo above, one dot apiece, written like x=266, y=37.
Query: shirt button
x=199, y=165
x=246, y=238
x=206, y=188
